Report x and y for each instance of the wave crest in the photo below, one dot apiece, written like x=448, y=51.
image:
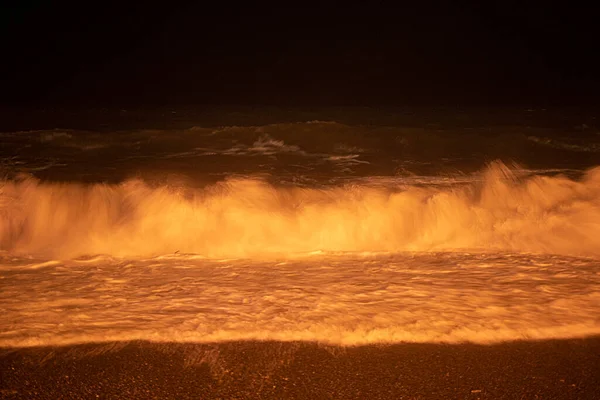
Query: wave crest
x=250, y=218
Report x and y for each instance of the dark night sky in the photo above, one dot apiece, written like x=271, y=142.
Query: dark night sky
x=376, y=54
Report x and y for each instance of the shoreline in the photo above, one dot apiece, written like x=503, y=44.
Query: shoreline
x=565, y=369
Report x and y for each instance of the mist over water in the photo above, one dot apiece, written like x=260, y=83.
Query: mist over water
x=329, y=231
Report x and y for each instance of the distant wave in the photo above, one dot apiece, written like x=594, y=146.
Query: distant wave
x=316, y=136
x=557, y=144
x=250, y=218
x=264, y=145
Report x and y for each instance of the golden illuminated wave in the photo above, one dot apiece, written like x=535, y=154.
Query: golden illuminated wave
x=251, y=218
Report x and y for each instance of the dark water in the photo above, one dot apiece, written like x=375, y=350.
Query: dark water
x=302, y=146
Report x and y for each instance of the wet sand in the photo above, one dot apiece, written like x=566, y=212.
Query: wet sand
x=560, y=369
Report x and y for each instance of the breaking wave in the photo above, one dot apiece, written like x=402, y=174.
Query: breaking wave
x=250, y=218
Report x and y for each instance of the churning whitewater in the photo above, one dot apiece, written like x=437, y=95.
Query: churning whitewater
x=309, y=231
x=250, y=218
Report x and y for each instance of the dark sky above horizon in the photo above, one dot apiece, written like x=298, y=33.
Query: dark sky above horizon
x=195, y=53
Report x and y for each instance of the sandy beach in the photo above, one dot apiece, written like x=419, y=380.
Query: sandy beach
x=561, y=369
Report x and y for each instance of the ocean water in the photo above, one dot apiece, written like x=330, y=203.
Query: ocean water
x=340, y=226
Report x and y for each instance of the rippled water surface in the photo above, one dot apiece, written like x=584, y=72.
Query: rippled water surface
x=338, y=299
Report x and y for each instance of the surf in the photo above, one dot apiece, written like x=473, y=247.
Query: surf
x=248, y=217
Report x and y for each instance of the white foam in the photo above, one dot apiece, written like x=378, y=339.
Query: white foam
x=344, y=299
